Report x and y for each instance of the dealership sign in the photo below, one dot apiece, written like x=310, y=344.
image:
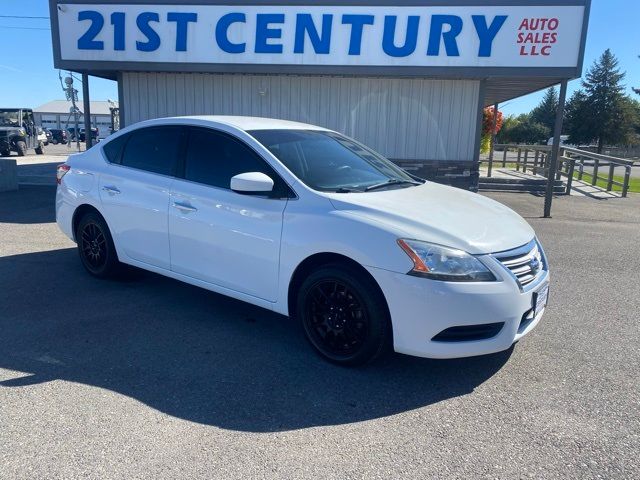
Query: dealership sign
x=314, y=35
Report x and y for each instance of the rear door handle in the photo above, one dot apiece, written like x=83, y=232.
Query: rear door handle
x=184, y=207
x=111, y=190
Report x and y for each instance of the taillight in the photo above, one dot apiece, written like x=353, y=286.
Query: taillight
x=61, y=171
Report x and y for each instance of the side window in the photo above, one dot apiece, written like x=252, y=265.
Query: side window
x=154, y=149
x=113, y=148
x=213, y=158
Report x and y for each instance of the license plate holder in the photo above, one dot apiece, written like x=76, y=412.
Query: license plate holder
x=540, y=299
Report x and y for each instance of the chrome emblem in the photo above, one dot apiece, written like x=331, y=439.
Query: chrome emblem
x=534, y=264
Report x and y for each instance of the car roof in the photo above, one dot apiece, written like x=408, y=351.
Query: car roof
x=250, y=123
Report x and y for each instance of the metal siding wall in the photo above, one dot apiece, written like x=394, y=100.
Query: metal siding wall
x=405, y=119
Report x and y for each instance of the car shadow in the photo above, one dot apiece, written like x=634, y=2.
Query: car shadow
x=197, y=355
x=29, y=204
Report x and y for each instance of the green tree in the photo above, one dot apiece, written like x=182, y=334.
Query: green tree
x=637, y=90
x=576, y=112
x=631, y=108
x=545, y=112
x=523, y=130
x=602, y=112
x=508, y=123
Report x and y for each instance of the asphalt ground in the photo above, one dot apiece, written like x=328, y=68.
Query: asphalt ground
x=151, y=378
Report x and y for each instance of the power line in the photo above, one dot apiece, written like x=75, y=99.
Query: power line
x=23, y=16
x=25, y=28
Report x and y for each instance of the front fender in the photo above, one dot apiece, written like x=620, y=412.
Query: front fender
x=307, y=233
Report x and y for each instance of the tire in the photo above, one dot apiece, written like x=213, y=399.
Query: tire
x=39, y=150
x=21, y=148
x=54, y=141
x=95, y=247
x=6, y=153
x=344, y=315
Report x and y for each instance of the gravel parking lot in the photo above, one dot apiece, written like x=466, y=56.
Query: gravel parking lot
x=151, y=378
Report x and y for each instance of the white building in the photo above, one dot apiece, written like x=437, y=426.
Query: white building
x=409, y=78
x=56, y=114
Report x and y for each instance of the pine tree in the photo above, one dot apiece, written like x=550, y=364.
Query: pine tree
x=637, y=90
x=545, y=112
x=605, y=109
x=575, y=115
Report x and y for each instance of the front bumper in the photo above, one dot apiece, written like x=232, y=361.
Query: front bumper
x=421, y=308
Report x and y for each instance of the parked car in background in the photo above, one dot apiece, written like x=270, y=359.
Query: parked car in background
x=311, y=224
x=563, y=141
x=82, y=134
x=58, y=136
x=71, y=134
x=47, y=132
x=42, y=136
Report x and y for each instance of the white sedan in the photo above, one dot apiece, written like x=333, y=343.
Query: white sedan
x=308, y=223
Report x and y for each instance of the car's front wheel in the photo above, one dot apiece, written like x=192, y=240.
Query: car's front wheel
x=344, y=315
x=95, y=246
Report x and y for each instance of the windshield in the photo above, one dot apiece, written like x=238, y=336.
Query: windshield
x=9, y=118
x=328, y=161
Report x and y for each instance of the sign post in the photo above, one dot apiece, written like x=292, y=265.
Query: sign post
x=555, y=149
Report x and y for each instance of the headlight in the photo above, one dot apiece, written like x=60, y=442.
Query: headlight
x=443, y=263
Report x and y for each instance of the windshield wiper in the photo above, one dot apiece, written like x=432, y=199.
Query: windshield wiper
x=345, y=190
x=390, y=182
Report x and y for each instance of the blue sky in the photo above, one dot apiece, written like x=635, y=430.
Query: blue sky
x=27, y=76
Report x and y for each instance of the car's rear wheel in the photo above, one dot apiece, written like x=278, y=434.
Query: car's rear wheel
x=54, y=141
x=344, y=315
x=39, y=149
x=96, y=248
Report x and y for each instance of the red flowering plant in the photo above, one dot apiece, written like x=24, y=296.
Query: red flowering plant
x=487, y=125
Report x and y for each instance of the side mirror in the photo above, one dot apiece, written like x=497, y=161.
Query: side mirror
x=252, y=182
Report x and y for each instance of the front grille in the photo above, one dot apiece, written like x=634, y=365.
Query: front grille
x=525, y=263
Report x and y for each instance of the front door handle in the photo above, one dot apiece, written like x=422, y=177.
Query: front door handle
x=184, y=207
x=111, y=190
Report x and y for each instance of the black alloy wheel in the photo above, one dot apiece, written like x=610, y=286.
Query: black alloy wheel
x=95, y=246
x=336, y=317
x=344, y=316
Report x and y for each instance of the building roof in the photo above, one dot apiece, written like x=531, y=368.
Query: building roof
x=98, y=107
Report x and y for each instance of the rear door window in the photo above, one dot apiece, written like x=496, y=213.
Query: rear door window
x=153, y=149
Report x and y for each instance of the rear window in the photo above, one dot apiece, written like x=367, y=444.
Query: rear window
x=113, y=148
x=153, y=149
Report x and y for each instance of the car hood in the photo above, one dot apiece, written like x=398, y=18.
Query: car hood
x=440, y=214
